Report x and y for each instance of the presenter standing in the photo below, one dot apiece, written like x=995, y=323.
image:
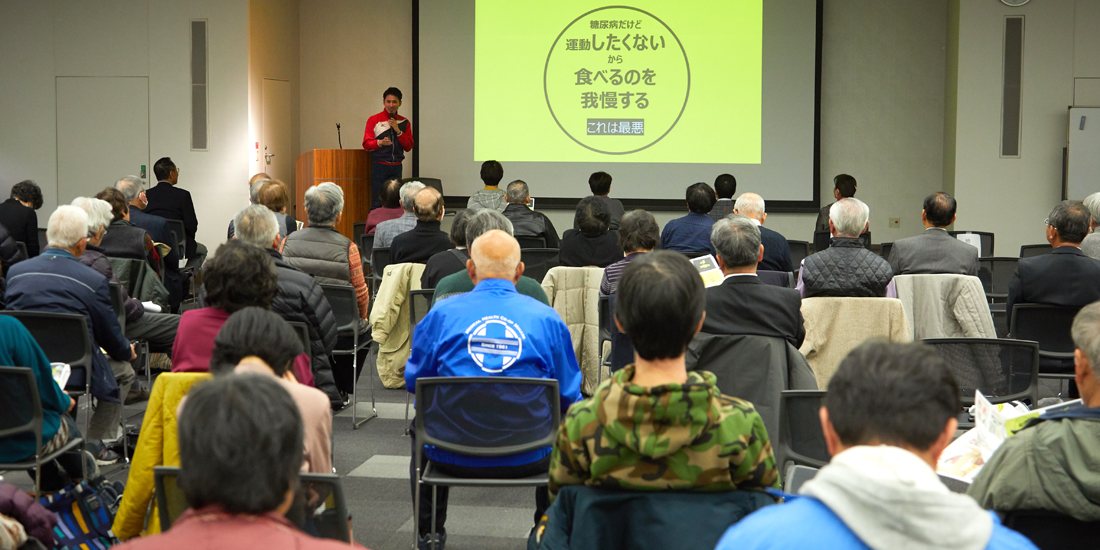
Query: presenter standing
x=388, y=136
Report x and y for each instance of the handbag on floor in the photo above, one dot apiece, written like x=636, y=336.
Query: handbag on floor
x=85, y=515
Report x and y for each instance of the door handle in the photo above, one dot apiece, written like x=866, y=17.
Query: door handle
x=269, y=155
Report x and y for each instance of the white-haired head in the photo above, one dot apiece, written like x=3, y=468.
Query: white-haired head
x=324, y=203
x=256, y=225
x=750, y=205
x=68, y=225
x=849, y=217
x=98, y=210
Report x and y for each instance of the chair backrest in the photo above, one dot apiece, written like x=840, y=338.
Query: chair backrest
x=996, y=274
x=531, y=242
x=537, y=261
x=22, y=248
x=1048, y=325
x=801, y=439
x=1050, y=530
x=986, y=240
x=20, y=407
x=180, y=236
x=118, y=304
x=822, y=239
x=302, y=330
x=1003, y=370
x=799, y=251
x=379, y=259
x=796, y=476
x=358, y=229
x=1032, y=250
x=332, y=523
x=775, y=278
x=487, y=415
x=366, y=247
x=434, y=183
x=345, y=307
x=42, y=239
x=420, y=301
x=885, y=249
x=622, y=349
x=63, y=337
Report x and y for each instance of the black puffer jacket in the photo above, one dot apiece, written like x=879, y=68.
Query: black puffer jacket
x=301, y=300
x=846, y=268
x=9, y=250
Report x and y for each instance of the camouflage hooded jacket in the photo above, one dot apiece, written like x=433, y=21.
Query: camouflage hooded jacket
x=673, y=437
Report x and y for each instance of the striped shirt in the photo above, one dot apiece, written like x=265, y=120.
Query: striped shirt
x=612, y=273
x=487, y=198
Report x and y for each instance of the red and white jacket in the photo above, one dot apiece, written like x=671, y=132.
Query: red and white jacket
x=378, y=128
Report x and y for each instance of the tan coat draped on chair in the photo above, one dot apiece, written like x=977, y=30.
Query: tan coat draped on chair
x=390, y=321
x=945, y=306
x=834, y=326
x=574, y=293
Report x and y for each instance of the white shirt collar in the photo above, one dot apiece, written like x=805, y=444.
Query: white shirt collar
x=739, y=275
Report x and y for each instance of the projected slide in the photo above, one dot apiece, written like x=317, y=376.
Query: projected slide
x=645, y=82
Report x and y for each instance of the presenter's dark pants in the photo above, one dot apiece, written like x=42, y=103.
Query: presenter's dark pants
x=379, y=173
x=542, y=494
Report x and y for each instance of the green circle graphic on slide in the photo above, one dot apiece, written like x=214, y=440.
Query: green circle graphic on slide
x=616, y=80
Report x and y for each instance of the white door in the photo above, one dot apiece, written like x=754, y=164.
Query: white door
x=102, y=133
x=278, y=160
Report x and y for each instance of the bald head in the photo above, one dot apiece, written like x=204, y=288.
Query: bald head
x=494, y=255
x=262, y=176
x=429, y=205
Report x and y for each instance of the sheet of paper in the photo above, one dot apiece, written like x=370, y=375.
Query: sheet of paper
x=971, y=239
x=708, y=270
x=61, y=373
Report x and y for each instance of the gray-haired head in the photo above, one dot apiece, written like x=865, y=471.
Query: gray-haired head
x=1086, y=335
x=1092, y=202
x=517, y=192
x=484, y=220
x=751, y=205
x=849, y=217
x=254, y=191
x=408, y=195
x=99, y=213
x=256, y=225
x=736, y=240
x=131, y=187
x=324, y=203
x=66, y=226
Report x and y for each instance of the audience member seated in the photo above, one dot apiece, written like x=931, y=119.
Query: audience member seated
x=391, y=206
x=172, y=203
x=257, y=341
x=238, y=499
x=846, y=268
x=777, y=253
x=321, y=251
x=253, y=198
x=888, y=415
x=1090, y=245
x=492, y=196
x=275, y=195
x=600, y=184
x=594, y=244
x=525, y=221
x=653, y=425
x=1065, y=277
x=158, y=329
x=443, y=345
x=133, y=190
x=9, y=251
x=844, y=187
x=17, y=214
x=690, y=234
x=934, y=251
x=453, y=260
x=299, y=298
x=387, y=230
x=742, y=304
x=18, y=347
x=725, y=187
x=238, y=276
x=424, y=240
x=1049, y=465
x=124, y=240
x=56, y=282
x=638, y=234
x=478, y=224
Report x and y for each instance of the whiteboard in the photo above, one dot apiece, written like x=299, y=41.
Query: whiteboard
x=1083, y=164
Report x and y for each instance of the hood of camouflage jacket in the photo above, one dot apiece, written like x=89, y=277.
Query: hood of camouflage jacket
x=659, y=421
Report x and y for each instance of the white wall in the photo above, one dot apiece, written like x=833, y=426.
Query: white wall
x=42, y=40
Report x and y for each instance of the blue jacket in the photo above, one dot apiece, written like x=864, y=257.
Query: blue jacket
x=56, y=282
x=18, y=347
x=689, y=234
x=804, y=522
x=157, y=228
x=494, y=331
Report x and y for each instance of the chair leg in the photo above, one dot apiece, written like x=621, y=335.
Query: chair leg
x=431, y=527
x=408, y=401
x=416, y=502
x=125, y=443
x=38, y=473
x=354, y=368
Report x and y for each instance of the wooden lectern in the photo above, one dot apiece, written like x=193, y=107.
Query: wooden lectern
x=348, y=168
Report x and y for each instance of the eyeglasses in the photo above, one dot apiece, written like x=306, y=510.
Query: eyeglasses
x=1047, y=222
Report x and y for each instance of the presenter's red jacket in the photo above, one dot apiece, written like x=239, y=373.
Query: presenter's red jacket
x=378, y=128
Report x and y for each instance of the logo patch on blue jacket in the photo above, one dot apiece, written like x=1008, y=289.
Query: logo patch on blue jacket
x=494, y=343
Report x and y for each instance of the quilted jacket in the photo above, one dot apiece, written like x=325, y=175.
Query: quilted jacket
x=846, y=268
x=35, y=518
x=390, y=321
x=574, y=293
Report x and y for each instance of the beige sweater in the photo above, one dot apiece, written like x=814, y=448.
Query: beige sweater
x=834, y=326
x=945, y=306
x=574, y=293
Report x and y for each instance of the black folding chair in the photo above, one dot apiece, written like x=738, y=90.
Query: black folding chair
x=799, y=251
x=822, y=240
x=884, y=250
x=380, y=258
x=434, y=183
x=801, y=439
x=1050, y=326
x=985, y=237
x=491, y=425
x=21, y=413
x=531, y=242
x=1003, y=370
x=22, y=248
x=327, y=516
x=366, y=248
x=796, y=476
x=1032, y=250
x=775, y=278
x=538, y=261
x=119, y=307
x=43, y=241
x=64, y=339
x=606, y=318
x=302, y=330
x=1053, y=531
x=420, y=301
x=348, y=324
x=179, y=235
x=358, y=229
